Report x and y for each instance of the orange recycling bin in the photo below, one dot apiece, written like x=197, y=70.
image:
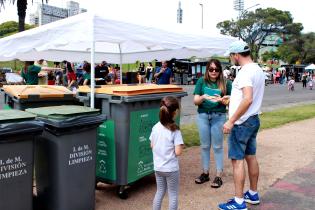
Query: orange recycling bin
x=22, y=97
x=123, y=153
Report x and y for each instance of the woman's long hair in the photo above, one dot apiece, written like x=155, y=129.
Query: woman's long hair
x=168, y=107
x=87, y=67
x=26, y=65
x=221, y=82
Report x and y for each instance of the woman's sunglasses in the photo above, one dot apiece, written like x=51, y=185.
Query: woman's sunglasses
x=213, y=70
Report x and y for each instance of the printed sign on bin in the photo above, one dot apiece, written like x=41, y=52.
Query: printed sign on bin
x=106, y=151
x=140, y=160
x=11, y=167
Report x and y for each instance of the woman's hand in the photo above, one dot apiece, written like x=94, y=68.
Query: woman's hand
x=215, y=98
x=198, y=99
x=225, y=100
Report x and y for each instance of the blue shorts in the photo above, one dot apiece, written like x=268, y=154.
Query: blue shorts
x=242, y=140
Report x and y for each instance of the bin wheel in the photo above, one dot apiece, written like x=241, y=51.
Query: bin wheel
x=122, y=192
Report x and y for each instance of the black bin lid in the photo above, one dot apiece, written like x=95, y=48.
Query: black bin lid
x=67, y=115
x=16, y=122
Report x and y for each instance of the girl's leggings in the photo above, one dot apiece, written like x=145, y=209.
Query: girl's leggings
x=169, y=181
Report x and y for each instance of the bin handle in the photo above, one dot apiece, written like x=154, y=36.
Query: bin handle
x=83, y=98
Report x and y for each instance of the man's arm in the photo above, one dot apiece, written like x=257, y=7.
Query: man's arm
x=242, y=108
x=159, y=72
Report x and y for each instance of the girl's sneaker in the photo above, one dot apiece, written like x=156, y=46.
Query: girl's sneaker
x=232, y=205
x=252, y=199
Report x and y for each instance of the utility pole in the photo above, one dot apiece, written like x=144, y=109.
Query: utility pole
x=201, y=15
x=179, y=13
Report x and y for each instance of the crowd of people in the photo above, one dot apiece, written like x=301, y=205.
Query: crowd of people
x=70, y=75
x=213, y=94
x=281, y=76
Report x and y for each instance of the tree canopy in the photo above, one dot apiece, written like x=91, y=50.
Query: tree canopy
x=254, y=27
x=298, y=48
x=11, y=27
x=21, y=9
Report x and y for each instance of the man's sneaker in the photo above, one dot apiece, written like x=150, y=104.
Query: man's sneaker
x=232, y=205
x=252, y=199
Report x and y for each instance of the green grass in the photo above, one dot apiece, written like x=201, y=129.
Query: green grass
x=268, y=120
x=15, y=65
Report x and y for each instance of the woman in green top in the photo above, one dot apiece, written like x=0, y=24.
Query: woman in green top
x=30, y=73
x=211, y=94
x=87, y=75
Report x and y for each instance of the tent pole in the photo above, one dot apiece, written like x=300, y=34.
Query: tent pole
x=92, y=73
x=120, y=63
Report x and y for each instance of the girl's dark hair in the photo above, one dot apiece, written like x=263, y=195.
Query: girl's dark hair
x=168, y=107
x=87, y=67
x=69, y=67
x=221, y=82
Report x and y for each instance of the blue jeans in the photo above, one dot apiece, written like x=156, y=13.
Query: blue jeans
x=242, y=140
x=211, y=134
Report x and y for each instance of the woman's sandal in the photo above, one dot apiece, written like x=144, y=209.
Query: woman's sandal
x=217, y=182
x=202, y=178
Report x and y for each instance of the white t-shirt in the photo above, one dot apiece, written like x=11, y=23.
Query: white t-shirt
x=164, y=142
x=251, y=75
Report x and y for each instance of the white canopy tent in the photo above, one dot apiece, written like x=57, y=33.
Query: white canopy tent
x=310, y=67
x=93, y=38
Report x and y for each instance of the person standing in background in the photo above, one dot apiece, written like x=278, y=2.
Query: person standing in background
x=163, y=75
x=149, y=73
x=101, y=73
x=87, y=74
x=30, y=73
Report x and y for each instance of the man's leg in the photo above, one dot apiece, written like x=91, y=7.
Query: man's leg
x=253, y=171
x=239, y=177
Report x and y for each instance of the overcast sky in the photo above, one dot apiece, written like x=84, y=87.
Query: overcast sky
x=163, y=12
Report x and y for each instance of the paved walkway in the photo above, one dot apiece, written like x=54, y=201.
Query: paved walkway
x=287, y=175
x=296, y=191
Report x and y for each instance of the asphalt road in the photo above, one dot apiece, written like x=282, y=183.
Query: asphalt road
x=276, y=96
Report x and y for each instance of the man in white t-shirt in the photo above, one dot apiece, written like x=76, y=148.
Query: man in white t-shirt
x=243, y=125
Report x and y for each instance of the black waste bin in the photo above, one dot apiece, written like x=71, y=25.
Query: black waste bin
x=17, y=132
x=65, y=157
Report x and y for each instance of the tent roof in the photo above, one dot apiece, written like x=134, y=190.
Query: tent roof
x=71, y=38
x=310, y=67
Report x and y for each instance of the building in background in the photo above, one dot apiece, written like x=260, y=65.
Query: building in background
x=179, y=13
x=47, y=14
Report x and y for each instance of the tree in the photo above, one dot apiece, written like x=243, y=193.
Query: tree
x=11, y=27
x=21, y=9
x=298, y=48
x=254, y=27
x=270, y=55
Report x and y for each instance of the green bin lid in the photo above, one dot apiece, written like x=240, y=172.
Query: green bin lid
x=7, y=116
x=62, y=112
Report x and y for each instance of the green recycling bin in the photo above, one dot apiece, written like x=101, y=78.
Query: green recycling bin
x=22, y=97
x=17, y=133
x=124, y=154
x=65, y=157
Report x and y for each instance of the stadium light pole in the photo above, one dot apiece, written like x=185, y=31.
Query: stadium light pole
x=242, y=12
